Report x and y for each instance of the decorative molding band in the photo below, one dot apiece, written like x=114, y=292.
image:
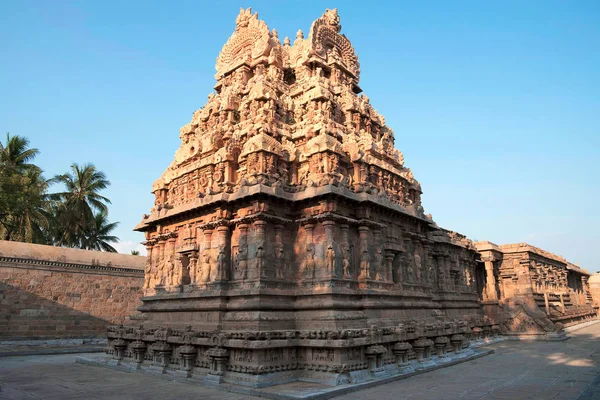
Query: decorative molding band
x=13, y=262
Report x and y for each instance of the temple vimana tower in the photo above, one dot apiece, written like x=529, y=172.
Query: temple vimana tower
x=287, y=240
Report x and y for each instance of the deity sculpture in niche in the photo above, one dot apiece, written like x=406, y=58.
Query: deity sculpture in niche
x=221, y=263
x=365, y=265
x=418, y=267
x=241, y=262
x=346, y=263
x=430, y=271
x=309, y=262
x=205, y=272
x=379, y=273
x=260, y=260
x=280, y=263
x=170, y=273
x=158, y=272
x=410, y=272
x=330, y=260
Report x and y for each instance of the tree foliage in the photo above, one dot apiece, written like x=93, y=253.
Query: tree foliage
x=76, y=217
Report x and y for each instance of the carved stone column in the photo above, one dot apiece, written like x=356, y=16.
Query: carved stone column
x=330, y=253
x=280, y=261
x=193, y=266
x=162, y=259
x=171, y=272
x=365, y=259
x=207, y=242
x=329, y=227
x=448, y=272
x=490, y=279
x=261, y=248
x=378, y=259
x=205, y=261
x=400, y=267
x=389, y=262
x=224, y=256
x=309, y=229
x=241, y=262
x=347, y=272
x=426, y=264
x=309, y=261
x=149, y=266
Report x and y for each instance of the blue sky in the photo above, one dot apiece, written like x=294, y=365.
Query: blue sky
x=495, y=105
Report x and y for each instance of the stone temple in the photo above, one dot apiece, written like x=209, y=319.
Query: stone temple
x=287, y=241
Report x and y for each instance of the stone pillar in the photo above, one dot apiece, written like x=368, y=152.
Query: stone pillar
x=346, y=253
x=224, y=256
x=329, y=228
x=547, y=303
x=261, y=248
x=447, y=273
x=329, y=250
x=400, y=267
x=364, y=173
x=365, y=259
x=162, y=257
x=389, y=263
x=193, y=266
x=171, y=271
x=378, y=259
x=280, y=262
x=524, y=285
x=207, y=242
x=149, y=266
x=242, y=256
x=426, y=262
x=205, y=269
x=309, y=229
x=308, y=267
x=490, y=280
x=344, y=233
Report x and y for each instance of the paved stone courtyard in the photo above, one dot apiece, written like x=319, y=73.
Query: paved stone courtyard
x=518, y=370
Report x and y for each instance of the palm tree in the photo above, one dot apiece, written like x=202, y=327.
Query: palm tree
x=29, y=218
x=97, y=236
x=23, y=197
x=16, y=154
x=79, y=202
x=135, y=253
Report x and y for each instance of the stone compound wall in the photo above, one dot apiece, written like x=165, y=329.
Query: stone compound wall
x=52, y=292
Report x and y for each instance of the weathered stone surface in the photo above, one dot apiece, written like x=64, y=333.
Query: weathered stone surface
x=288, y=241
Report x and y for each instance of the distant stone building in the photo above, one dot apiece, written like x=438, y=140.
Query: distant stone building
x=520, y=277
x=594, y=283
x=51, y=292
